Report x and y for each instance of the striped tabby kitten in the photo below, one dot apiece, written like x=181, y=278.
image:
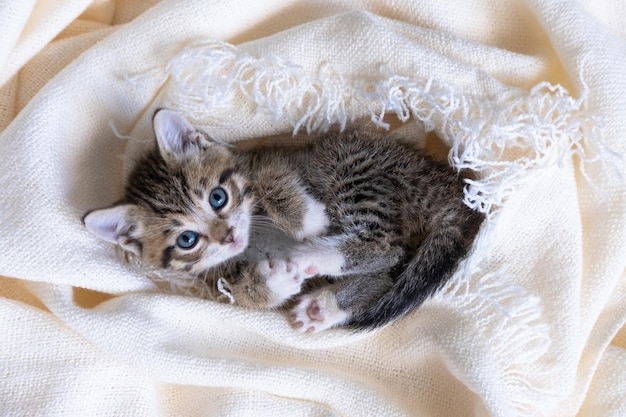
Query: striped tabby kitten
x=384, y=224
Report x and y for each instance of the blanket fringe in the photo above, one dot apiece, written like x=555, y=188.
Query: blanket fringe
x=503, y=139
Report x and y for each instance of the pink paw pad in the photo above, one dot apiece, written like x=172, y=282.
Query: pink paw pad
x=313, y=314
x=311, y=270
x=316, y=312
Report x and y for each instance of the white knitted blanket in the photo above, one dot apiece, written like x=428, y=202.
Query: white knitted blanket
x=529, y=94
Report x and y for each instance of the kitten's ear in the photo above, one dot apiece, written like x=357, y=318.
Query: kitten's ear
x=176, y=137
x=115, y=225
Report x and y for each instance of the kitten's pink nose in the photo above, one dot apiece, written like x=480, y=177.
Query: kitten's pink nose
x=228, y=237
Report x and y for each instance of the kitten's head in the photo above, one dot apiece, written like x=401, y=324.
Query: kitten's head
x=186, y=205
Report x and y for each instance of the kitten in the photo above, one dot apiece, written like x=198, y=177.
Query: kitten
x=382, y=222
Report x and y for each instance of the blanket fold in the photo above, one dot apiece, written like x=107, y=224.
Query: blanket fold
x=528, y=95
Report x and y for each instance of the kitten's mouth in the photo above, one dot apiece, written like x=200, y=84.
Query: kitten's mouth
x=239, y=243
x=240, y=234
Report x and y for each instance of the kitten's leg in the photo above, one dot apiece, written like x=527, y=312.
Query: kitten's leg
x=315, y=222
x=281, y=278
x=334, y=304
x=317, y=311
x=266, y=284
x=342, y=255
x=289, y=205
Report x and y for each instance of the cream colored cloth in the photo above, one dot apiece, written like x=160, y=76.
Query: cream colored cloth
x=530, y=94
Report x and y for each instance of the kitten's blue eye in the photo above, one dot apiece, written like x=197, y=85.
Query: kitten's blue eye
x=187, y=239
x=218, y=198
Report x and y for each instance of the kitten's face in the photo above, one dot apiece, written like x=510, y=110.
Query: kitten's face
x=206, y=223
x=188, y=208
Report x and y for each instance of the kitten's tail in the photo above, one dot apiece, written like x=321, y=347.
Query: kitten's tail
x=432, y=266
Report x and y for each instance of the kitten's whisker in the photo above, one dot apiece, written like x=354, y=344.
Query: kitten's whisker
x=256, y=203
x=258, y=221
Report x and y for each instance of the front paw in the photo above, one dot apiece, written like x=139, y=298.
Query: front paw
x=311, y=262
x=315, y=222
x=316, y=312
x=282, y=278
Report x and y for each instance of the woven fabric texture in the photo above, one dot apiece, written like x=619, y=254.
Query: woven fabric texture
x=527, y=93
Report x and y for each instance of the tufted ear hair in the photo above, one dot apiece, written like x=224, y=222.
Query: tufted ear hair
x=115, y=225
x=176, y=137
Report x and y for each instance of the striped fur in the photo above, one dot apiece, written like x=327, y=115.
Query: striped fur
x=382, y=222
